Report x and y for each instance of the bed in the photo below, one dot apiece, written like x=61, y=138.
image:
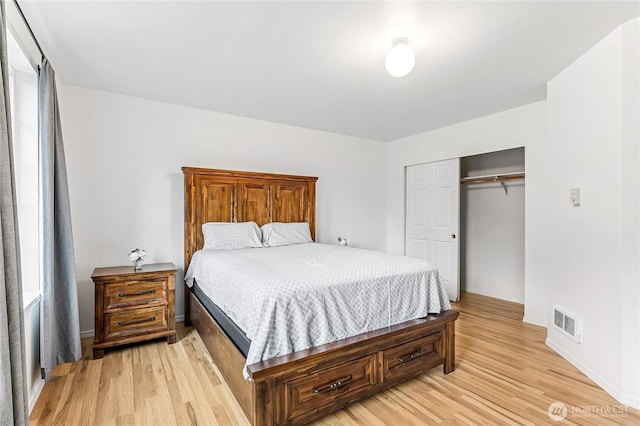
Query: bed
x=307, y=384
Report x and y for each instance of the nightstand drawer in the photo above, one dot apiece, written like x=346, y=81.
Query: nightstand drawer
x=137, y=321
x=131, y=293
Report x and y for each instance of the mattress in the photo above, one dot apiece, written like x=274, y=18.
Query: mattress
x=291, y=298
x=235, y=333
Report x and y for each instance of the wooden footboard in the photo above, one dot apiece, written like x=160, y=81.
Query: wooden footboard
x=306, y=385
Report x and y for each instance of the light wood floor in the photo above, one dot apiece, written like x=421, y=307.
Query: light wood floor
x=505, y=375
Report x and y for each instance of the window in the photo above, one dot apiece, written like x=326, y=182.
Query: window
x=23, y=91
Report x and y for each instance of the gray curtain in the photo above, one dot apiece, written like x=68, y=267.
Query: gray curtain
x=13, y=373
x=60, y=320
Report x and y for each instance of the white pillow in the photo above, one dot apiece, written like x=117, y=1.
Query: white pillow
x=285, y=234
x=230, y=235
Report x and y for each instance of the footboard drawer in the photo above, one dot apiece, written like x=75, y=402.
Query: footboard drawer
x=412, y=357
x=332, y=386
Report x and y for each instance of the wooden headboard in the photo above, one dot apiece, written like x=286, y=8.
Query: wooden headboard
x=212, y=195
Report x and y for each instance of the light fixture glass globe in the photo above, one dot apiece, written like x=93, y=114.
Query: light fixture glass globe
x=400, y=60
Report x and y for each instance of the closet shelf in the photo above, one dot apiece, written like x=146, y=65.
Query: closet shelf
x=492, y=178
x=502, y=177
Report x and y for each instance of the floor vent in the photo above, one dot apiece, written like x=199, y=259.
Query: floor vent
x=567, y=323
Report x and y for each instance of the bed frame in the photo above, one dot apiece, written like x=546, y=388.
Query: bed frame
x=305, y=385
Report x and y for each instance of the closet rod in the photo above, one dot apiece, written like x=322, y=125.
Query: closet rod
x=492, y=178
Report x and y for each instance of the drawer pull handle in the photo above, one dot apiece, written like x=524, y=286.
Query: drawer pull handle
x=413, y=356
x=137, y=321
x=136, y=293
x=333, y=386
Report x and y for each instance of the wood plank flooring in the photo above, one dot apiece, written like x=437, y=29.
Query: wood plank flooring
x=505, y=375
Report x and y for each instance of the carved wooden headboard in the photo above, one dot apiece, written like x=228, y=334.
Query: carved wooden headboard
x=212, y=195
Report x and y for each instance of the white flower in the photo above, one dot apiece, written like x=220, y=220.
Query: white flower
x=137, y=254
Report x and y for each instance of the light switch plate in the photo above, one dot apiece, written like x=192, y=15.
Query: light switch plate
x=574, y=197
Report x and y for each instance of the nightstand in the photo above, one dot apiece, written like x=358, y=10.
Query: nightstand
x=133, y=306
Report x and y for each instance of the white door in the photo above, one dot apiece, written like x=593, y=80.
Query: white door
x=432, y=218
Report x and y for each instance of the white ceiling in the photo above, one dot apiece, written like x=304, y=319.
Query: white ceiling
x=320, y=65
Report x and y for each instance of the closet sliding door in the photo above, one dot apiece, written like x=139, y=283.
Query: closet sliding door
x=432, y=218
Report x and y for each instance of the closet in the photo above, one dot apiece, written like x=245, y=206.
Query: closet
x=492, y=199
x=466, y=216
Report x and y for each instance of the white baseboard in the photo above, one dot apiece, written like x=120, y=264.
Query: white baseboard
x=179, y=318
x=85, y=334
x=34, y=393
x=604, y=384
x=630, y=401
x=493, y=295
x=535, y=321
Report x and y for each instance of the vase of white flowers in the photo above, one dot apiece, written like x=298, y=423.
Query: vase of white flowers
x=137, y=257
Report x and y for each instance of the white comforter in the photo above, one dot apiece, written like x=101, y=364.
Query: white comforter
x=291, y=298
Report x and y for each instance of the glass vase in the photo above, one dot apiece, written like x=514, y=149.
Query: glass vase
x=137, y=264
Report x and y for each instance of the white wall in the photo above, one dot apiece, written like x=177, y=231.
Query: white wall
x=518, y=127
x=124, y=156
x=492, y=227
x=592, y=250
x=630, y=225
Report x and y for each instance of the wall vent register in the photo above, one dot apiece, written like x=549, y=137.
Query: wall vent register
x=567, y=323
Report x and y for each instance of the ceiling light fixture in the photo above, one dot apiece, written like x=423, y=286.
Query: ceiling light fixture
x=400, y=59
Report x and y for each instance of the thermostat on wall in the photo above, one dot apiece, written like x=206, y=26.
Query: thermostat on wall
x=574, y=196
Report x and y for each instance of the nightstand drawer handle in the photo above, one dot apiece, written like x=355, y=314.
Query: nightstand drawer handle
x=413, y=356
x=136, y=293
x=333, y=386
x=138, y=321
